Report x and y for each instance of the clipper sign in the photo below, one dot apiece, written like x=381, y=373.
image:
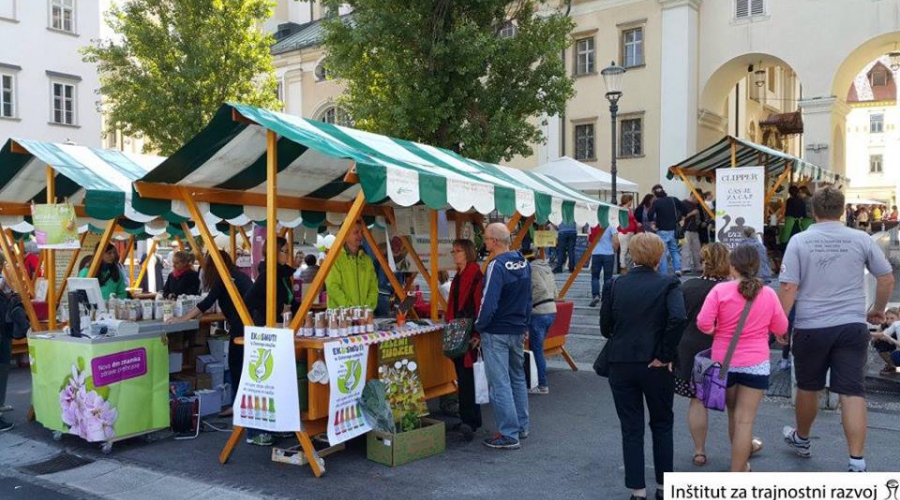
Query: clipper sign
x=740, y=203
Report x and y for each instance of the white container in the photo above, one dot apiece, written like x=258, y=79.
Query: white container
x=176, y=362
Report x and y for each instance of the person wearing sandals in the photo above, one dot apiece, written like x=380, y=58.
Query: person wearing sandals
x=642, y=316
x=464, y=301
x=748, y=370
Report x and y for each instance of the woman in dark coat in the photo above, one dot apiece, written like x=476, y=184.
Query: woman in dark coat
x=642, y=314
x=463, y=302
x=715, y=270
x=183, y=280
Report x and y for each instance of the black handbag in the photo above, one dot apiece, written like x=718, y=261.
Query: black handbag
x=458, y=331
x=601, y=364
x=679, y=228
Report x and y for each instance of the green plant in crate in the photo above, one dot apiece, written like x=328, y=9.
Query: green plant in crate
x=410, y=422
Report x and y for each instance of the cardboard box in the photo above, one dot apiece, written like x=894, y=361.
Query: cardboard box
x=204, y=381
x=176, y=362
x=399, y=449
x=225, y=389
x=217, y=372
x=210, y=401
x=204, y=360
x=218, y=348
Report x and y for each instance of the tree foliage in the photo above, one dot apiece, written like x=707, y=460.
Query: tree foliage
x=439, y=71
x=174, y=62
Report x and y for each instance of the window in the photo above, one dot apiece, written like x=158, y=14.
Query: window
x=584, y=142
x=879, y=78
x=630, y=138
x=771, y=77
x=8, y=9
x=336, y=116
x=633, y=47
x=322, y=72
x=875, y=164
x=279, y=91
x=63, y=103
x=62, y=15
x=876, y=124
x=7, y=96
x=508, y=30
x=584, y=56
x=744, y=9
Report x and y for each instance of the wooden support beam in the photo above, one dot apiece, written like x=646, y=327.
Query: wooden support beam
x=696, y=194
x=383, y=262
x=271, y=227
x=290, y=246
x=420, y=266
x=17, y=283
x=101, y=246
x=232, y=239
x=581, y=262
x=224, y=272
x=72, y=263
x=733, y=152
x=181, y=245
x=145, y=265
x=332, y=255
x=195, y=247
x=511, y=225
x=784, y=175
x=524, y=232
x=231, y=197
x=435, y=265
x=24, y=209
x=247, y=242
x=50, y=269
x=351, y=177
x=459, y=228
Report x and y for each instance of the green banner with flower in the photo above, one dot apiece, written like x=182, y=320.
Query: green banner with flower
x=101, y=390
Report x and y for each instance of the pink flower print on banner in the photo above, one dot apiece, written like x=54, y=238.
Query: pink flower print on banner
x=86, y=413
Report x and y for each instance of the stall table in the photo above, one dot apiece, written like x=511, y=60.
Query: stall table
x=104, y=389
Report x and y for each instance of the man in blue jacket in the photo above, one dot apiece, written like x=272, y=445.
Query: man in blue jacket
x=503, y=321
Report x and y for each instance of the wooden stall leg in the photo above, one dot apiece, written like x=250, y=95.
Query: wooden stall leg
x=311, y=455
x=581, y=262
x=568, y=358
x=30, y=415
x=235, y=438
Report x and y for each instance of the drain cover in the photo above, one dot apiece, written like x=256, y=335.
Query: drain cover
x=59, y=463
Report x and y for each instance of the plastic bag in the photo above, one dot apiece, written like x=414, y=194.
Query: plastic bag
x=482, y=393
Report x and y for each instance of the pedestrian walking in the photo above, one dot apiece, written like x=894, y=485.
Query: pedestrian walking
x=690, y=249
x=716, y=269
x=543, y=312
x=12, y=318
x=665, y=213
x=640, y=353
x=567, y=235
x=625, y=233
x=751, y=239
x=822, y=272
x=739, y=315
x=503, y=320
x=642, y=214
x=603, y=258
x=463, y=301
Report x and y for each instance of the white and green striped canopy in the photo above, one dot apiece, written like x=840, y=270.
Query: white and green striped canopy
x=313, y=158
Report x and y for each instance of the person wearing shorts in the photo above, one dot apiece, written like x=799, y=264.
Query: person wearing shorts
x=822, y=274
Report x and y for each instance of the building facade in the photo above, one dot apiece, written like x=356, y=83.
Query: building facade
x=777, y=72
x=46, y=91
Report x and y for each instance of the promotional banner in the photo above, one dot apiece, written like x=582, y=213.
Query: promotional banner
x=740, y=202
x=347, y=378
x=267, y=397
x=100, y=391
x=545, y=239
x=55, y=226
x=422, y=245
x=399, y=370
x=413, y=220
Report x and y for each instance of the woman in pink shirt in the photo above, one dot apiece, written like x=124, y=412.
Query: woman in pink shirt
x=748, y=373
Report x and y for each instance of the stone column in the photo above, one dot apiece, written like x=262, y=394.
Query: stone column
x=824, y=125
x=679, y=63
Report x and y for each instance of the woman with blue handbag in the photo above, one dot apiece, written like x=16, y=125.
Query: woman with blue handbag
x=739, y=315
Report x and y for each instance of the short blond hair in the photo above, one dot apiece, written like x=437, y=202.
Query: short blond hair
x=646, y=249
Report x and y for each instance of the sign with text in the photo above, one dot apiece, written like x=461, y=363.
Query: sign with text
x=782, y=485
x=55, y=226
x=267, y=397
x=398, y=369
x=412, y=220
x=740, y=202
x=347, y=378
x=545, y=239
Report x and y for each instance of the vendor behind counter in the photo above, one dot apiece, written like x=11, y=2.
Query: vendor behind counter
x=352, y=281
x=183, y=280
x=255, y=298
x=111, y=275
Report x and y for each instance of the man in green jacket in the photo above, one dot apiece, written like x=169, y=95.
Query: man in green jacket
x=352, y=281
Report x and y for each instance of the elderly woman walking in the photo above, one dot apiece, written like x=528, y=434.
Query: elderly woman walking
x=642, y=314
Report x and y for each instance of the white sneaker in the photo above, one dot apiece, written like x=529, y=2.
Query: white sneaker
x=799, y=445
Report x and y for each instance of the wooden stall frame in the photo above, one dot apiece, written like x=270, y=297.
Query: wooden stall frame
x=410, y=250
x=150, y=253
x=435, y=265
x=70, y=268
x=17, y=283
x=581, y=262
x=98, y=254
x=50, y=269
x=694, y=191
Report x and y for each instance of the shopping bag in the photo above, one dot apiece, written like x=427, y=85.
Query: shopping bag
x=531, y=373
x=708, y=383
x=482, y=394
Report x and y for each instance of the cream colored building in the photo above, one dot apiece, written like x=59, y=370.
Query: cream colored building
x=697, y=69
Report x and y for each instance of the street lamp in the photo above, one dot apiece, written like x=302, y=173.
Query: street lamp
x=895, y=60
x=612, y=78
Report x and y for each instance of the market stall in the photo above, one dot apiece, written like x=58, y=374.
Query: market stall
x=248, y=162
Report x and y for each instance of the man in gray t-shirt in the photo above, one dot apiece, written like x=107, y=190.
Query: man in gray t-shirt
x=822, y=278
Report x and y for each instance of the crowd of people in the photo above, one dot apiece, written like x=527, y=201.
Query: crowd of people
x=869, y=217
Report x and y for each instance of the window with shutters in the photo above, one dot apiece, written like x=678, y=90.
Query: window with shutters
x=584, y=142
x=745, y=9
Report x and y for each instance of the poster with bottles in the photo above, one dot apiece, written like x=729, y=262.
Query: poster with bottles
x=399, y=370
x=267, y=397
x=347, y=377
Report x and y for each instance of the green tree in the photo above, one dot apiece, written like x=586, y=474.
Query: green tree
x=174, y=62
x=440, y=71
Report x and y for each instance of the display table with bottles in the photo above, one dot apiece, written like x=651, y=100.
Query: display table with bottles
x=103, y=389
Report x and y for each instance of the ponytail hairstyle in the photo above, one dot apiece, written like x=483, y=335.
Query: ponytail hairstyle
x=745, y=260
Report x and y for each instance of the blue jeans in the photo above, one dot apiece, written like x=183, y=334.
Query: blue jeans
x=540, y=323
x=504, y=364
x=599, y=263
x=565, y=247
x=671, y=243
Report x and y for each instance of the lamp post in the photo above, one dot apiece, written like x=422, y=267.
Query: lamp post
x=612, y=78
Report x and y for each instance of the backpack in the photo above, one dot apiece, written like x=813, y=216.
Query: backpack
x=12, y=313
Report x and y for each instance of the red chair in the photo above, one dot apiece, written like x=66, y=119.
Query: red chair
x=555, y=343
